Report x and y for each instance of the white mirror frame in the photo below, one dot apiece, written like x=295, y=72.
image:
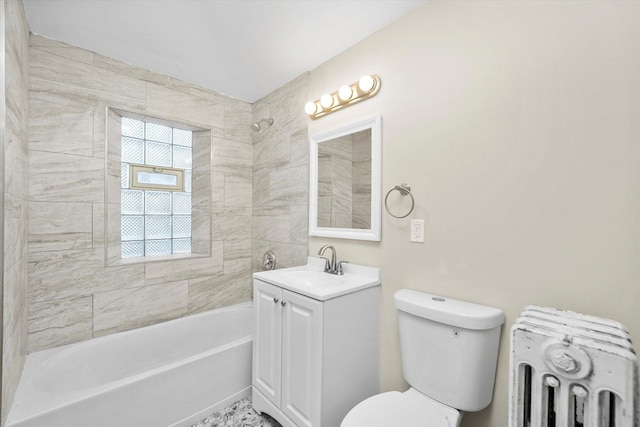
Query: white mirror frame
x=374, y=233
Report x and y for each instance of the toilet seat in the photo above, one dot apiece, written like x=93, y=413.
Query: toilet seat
x=408, y=409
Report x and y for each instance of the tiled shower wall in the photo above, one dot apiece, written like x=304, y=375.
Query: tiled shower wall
x=72, y=295
x=281, y=176
x=14, y=184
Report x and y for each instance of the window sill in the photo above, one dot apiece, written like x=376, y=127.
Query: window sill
x=160, y=258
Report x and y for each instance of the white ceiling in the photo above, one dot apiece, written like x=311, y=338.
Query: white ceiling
x=242, y=48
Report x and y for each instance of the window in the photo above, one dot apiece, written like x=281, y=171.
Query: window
x=156, y=172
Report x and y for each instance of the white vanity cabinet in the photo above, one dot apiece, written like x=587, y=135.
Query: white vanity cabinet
x=313, y=360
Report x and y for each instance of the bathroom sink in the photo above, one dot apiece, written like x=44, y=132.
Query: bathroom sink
x=314, y=278
x=312, y=281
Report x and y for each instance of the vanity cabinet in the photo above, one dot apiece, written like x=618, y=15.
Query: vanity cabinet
x=314, y=360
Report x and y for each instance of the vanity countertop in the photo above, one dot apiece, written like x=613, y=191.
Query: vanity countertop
x=312, y=281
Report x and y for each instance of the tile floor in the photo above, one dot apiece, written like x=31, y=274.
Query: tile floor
x=240, y=414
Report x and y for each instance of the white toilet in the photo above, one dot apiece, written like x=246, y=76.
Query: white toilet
x=449, y=354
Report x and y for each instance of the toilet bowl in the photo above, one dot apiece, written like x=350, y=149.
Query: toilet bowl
x=408, y=409
x=449, y=353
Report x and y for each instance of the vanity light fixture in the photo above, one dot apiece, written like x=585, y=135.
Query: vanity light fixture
x=347, y=95
x=326, y=101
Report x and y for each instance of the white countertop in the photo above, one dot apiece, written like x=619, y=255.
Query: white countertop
x=312, y=281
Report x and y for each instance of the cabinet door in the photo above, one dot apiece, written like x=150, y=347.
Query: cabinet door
x=301, y=359
x=267, y=340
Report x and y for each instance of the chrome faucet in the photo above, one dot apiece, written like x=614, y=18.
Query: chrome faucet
x=331, y=266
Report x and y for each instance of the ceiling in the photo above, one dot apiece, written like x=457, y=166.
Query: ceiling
x=242, y=48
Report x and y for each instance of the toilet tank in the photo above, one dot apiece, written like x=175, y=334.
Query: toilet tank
x=449, y=348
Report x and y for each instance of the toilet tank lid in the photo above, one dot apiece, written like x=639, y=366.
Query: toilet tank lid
x=448, y=310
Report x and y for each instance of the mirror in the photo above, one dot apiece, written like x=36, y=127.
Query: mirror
x=345, y=181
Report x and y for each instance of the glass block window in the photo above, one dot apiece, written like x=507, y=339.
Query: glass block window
x=155, y=222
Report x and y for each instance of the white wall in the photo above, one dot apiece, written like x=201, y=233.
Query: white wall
x=517, y=125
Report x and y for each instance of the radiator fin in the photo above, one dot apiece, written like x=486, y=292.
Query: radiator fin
x=571, y=370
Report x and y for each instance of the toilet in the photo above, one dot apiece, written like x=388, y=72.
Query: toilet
x=449, y=353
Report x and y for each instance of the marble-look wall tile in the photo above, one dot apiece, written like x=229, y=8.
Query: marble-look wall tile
x=60, y=226
x=97, y=225
x=292, y=177
x=66, y=78
x=201, y=230
x=138, y=73
x=213, y=292
x=183, y=107
x=290, y=196
x=234, y=222
x=60, y=217
x=59, y=322
x=15, y=229
x=185, y=269
x=201, y=150
x=235, y=248
x=258, y=248
x=300, y=148
x=74, y=273
x=237, y=255
x=99, y=132
x=281, y=177
x=236, y=123
x=65, y=177
x=133, y=308
x=238, y=191
x=217, y=189
x=113, y=233
x=61, y=49
x=15, y=333
x=201, y=183
x=261, y=188
x=299, y=224
x=271, y=224
x=223, y=148
x=238, y=265
x=218, y=98
x=13, y=200
x=59, y=129
x=15, y=147
x=289, y=186
x=70, y=90
x=289, y=254
x=271, y=154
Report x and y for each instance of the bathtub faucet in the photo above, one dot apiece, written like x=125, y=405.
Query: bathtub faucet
x=332, y=266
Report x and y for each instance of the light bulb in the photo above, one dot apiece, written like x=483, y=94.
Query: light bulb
x=345, y=93
x=326, y=100
x=310, y=108
x=366, y=83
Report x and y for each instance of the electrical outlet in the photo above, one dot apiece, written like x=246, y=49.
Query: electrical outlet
x=417, y=230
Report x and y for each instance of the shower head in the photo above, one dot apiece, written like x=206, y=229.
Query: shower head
x=255, y=126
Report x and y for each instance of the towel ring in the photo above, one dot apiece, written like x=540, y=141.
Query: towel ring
x=404, y=189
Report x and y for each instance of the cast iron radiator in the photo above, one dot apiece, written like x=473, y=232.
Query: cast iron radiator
x=571, y=370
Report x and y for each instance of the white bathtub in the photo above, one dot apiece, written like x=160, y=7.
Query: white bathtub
x=170, y=374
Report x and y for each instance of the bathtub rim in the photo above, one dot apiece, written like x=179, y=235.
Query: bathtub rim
x=23, y=409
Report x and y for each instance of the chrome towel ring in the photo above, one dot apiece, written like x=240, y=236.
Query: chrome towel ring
x=404, y=189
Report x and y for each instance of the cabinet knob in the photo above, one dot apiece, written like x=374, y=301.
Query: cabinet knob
x=283, y=303
x=275, y=300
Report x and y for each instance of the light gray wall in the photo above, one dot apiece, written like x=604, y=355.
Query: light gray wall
x=14, y=198
x=72, y=295
x=516, y=125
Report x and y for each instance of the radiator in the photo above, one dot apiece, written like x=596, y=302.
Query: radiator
x=571, y=370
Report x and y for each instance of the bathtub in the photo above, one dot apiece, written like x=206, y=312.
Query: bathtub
x=170, y=374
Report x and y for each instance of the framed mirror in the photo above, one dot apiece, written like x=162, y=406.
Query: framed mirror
x=345, y=181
